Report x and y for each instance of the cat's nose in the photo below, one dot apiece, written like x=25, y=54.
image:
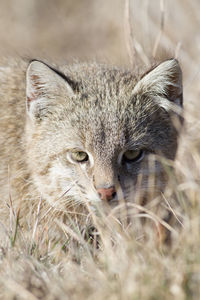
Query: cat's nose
x=107, y=194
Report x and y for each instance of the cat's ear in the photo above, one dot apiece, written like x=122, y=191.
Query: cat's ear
x=164, y=83
x=43, y=86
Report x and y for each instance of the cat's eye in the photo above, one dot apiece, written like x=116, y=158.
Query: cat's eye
x=133, y=155
x=79, y=156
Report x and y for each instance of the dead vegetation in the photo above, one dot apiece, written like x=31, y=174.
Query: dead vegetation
x=122, y=261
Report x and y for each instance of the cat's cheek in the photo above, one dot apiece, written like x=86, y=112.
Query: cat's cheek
x=63, y=179
x=68, y=183
x=131, y=169
x=57, y=183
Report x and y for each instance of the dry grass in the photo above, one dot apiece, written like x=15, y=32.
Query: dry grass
x=53, y=261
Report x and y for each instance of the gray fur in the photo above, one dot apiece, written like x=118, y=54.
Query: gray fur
x=101, y=110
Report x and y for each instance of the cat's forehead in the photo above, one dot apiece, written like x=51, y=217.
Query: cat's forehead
x=106, y=114
x=108, y=129
x=98, y=78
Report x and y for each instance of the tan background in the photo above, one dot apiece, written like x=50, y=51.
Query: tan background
x=94, y=29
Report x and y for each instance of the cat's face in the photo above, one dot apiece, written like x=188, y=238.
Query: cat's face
x=96, y=139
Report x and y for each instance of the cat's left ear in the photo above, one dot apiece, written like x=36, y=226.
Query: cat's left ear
x=164, y=83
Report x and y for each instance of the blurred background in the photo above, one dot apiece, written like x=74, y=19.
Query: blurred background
x=104, y=31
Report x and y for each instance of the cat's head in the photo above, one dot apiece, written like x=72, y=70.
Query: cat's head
x=92, y=131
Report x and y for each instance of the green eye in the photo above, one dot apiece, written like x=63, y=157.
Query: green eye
x=133, y=155
x=79, y=156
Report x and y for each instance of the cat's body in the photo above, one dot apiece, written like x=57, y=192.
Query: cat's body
x=84, y=131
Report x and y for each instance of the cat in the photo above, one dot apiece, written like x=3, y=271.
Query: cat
x=84, y=134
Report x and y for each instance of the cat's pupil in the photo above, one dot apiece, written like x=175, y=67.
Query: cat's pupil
x=79, y=156
x=132, y=155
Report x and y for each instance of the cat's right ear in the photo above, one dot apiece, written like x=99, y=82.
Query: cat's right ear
x=43, y=86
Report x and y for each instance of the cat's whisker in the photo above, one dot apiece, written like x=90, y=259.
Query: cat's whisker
x=85, y=126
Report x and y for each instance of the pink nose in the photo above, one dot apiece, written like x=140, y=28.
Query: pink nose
x=107, y=194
